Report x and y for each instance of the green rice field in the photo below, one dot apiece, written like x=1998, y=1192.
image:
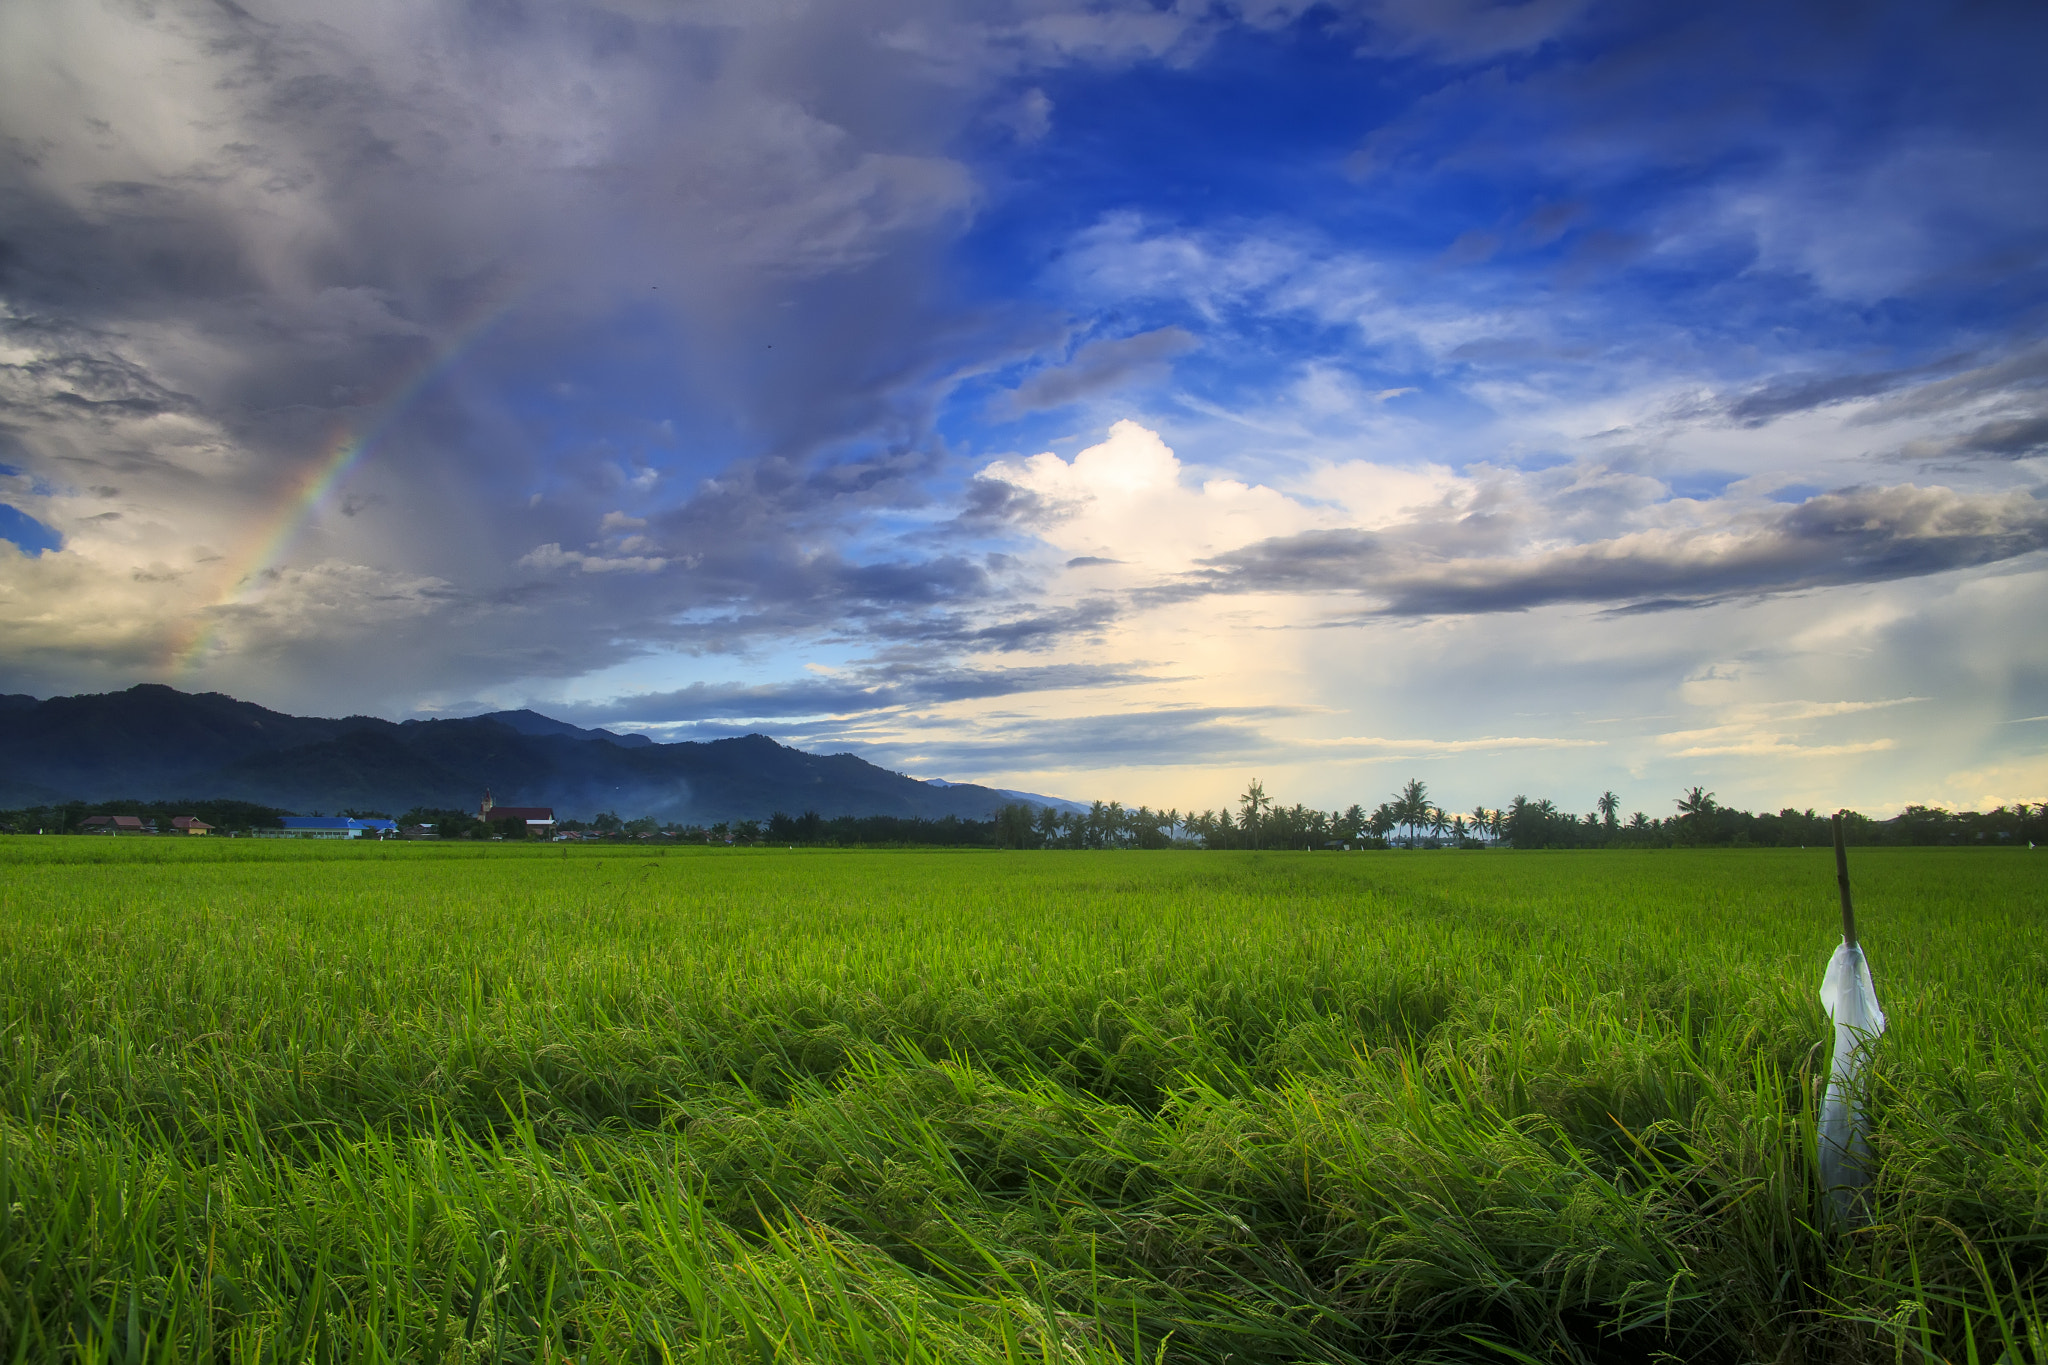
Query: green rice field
x=265, y=1101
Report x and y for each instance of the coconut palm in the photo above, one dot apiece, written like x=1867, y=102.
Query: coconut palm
x=1697, y=803
x=1253, y=806
x=1411, y=806
x=1518, y=815
x=1608, y=804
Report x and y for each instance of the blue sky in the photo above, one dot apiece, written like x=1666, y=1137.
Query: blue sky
x=1112, y=399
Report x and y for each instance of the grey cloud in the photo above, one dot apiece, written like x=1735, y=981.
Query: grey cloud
x=2009, y=438
x=1854, y=536
x=1169, y=737
x=1030, y=119
x=71, y=374
x=1802, y=393
x=1472, y=248
x=1938, y=386
x=2017, y=437
x=1038, y=630
x=1468, y=30
x=349, y=195
x=2022, y=372
x=861, y=692
x=1548, y=222
x=992, y=502
x=1097, y=366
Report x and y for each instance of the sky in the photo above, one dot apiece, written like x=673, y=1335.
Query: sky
x=1114, y=399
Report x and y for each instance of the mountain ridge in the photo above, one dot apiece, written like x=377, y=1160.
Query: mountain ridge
x=152, y=742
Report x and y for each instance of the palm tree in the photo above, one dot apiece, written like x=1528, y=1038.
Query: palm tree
x=1608, y=804
x=1482, y=823
x=1254, y=804
x=1519, y=813
x=1411, y=805
x=1697, y=803
x=1639, y=821
x=1438, y=822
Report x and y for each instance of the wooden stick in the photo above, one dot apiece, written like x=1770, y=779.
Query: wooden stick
x=1842, y=880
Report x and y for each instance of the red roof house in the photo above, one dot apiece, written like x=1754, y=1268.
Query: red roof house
x=113, y=824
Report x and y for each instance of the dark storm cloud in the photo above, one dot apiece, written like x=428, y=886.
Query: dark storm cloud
x=1854, y=536
x=267, y=224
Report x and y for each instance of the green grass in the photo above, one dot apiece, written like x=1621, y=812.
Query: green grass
x=286, y=1102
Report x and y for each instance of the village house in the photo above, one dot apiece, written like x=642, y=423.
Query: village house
x=539, y=820
x=189, y=824
x=116, y=824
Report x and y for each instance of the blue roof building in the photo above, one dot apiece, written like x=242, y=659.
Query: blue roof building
x=327, y=827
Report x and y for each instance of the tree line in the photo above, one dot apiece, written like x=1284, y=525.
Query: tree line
x=65, y=817
x=1410, y=818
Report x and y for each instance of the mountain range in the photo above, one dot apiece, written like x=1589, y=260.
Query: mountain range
x=154, y=742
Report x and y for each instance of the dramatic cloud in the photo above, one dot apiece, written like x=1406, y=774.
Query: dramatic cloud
x=1857, y=536
x=1105, y=396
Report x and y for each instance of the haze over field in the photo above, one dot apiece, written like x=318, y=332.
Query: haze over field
x=1107, y=399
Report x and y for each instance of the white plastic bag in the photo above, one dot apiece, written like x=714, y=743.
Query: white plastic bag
x=1851, y=1001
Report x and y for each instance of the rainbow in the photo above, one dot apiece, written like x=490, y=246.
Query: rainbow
x=304, y=495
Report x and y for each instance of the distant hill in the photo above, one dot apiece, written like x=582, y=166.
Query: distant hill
x=155, y=742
